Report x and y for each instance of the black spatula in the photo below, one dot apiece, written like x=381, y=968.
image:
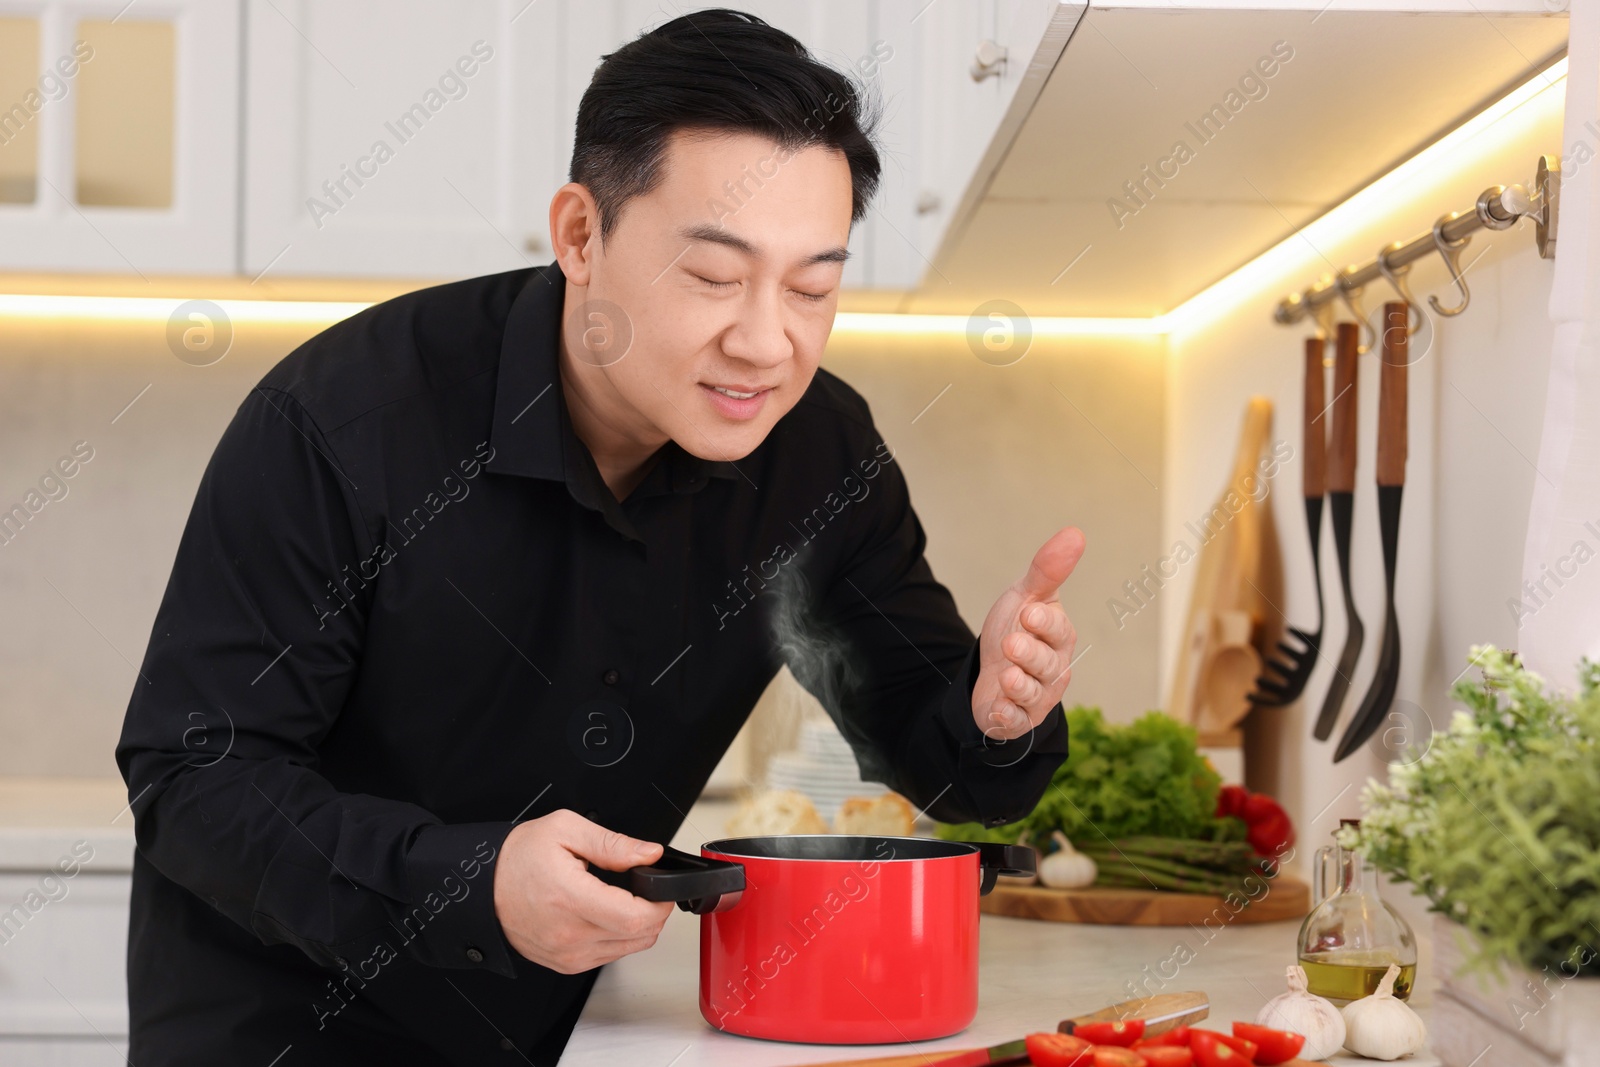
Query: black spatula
x=1341, y=497
x=1391, y=482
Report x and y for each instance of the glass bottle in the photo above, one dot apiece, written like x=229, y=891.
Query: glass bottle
x=1352, y=935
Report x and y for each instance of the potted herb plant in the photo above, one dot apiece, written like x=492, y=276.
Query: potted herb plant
x=1497, y=824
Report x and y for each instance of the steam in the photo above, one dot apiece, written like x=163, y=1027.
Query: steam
x=822, y=661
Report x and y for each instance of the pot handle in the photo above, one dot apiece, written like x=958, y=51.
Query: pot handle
x=698, y=885
x=997, y=858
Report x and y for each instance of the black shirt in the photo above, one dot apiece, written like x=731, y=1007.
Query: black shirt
x=406, y=612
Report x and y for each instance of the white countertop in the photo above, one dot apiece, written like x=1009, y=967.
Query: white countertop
x=644, y=1009
x=42, y=819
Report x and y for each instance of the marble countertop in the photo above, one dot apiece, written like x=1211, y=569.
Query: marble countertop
x=644, y=1008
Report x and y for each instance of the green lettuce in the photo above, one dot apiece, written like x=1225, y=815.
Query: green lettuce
x=1144, y=778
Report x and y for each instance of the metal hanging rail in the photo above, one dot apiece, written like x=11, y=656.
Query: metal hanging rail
x=1498, y=208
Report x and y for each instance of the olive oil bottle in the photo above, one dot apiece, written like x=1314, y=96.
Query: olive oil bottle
x=1352, y=935
x=1350, y=976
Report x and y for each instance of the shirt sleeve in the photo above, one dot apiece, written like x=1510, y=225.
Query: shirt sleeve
x=893, y=662
x=254, y=649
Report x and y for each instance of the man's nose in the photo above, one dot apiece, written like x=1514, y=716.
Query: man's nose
x=759, y=335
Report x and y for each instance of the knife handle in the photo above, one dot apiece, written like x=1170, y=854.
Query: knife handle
x=1316, y=426
x=1342, y=448
x=1392, y=394
x=1162, y=1012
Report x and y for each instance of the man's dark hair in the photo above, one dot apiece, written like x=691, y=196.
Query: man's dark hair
x=714, y=70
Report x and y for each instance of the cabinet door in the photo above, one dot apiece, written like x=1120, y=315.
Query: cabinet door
x=119, y=135
x=400, y=139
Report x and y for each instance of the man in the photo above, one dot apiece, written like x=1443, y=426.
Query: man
x=481, y=582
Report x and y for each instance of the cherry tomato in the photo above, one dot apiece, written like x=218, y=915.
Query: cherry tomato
x=1242, y=1046
x=1122, y=1032
x=1210, y=1050
x=1057, y=1050
x=1178, y=1037
x=1246, y=1049
x=1272, y=1046
x=1230, y=800
x=1117, y=1056
x=1165, y=1055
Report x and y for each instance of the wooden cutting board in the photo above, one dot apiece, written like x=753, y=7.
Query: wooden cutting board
x=1230, y=619
x=1288, y=898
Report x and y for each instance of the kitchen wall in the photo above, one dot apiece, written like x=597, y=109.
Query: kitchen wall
x=998, y=458
x=1477, y=392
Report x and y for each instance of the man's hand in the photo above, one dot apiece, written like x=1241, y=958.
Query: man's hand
x=1026, y=644
x=557, y=914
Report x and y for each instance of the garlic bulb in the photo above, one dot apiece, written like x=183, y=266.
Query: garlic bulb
x=1066, y=868
x=1305, y=1013
x=1381, y=1027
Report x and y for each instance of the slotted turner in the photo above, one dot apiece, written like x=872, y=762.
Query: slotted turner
x=1293, y=667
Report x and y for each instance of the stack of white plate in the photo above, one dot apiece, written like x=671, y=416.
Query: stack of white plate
x=824, y=769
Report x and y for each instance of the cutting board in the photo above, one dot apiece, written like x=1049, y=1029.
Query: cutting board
x=1288, y=898
x=1232, y=615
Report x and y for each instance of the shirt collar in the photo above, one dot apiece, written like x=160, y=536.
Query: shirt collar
x=532, y=434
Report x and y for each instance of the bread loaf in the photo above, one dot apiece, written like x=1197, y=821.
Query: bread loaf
x=889, y=815
x=775, y=811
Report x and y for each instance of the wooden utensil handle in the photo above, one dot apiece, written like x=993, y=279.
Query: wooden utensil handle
x=1316, y=424
x=1342, y=447
x=1392, y=394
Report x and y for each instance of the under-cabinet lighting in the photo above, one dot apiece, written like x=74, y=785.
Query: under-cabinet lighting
x=1415, y=181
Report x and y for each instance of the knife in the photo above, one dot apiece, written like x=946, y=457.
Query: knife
x=1166, y=1011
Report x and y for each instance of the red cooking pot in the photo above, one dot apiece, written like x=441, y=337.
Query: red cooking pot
x=835, y=938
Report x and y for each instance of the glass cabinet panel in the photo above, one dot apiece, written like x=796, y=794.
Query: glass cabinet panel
x=124, y=129
x=23, y=94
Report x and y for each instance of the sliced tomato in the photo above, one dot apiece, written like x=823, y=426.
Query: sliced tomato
x=1122, y=1032
x=1117, y=1056
x=1057, y=1050
x=1166, y=1055
x=1272, y=1046
x=1245, y=1048
x=1177, y=1037
x=1212, y=1049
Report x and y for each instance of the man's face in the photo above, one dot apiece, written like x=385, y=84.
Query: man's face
x=727, y=275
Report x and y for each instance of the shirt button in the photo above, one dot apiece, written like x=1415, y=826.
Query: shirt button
x=474, y=955
x=611, y=677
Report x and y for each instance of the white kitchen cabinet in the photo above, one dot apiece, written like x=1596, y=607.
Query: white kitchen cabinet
x=424, y=140
x=121, y=159
x=468, y=190
x=407, y=139
x=66, y=857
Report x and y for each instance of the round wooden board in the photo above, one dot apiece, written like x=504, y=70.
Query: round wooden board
x=1286, y=898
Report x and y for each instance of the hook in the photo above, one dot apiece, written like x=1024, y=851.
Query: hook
x=1397, y=278
x=1322, y=315
x=1450, y=251
x=1351, y=295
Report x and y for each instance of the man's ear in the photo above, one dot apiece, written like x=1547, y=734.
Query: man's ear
x=574, y=231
